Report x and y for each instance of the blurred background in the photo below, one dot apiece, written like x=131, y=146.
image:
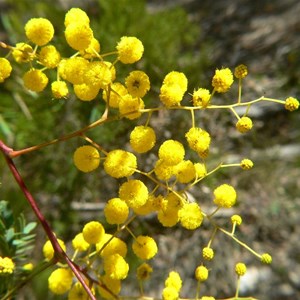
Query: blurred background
x=194, y=37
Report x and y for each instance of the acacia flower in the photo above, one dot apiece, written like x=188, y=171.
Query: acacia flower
x=93, y=232
x=79, y=35
x=185, y=171
x=236, y=219
x=174, y=281
x=86, y=158
x=201, y=97
x=116, y=211
x=144, y=247
x=246, y=164
x=244, y=124
x=49, y=57
x=201, y=273
x=116, y=92
x=79, y=243
x=7, y=265
x=130, y=49
x=59, y=89
x=198, y=139
x=208, y=253
x=5, y=69
x=111, y=245
x=40, y=31
x=113, y=285
x=171, y=152
x=137, y=83
x=86, y=92
x=130, y=107
x=266, y=258
x=48, y=250
x=60, y=281
x=225, y=196
x=75, y=15
x=144, y=271
x=241, y=71
x=142, y=139
x=190, y=216
x=35, y=80
x=115, y=266
x=291, y=104
x=240, y=269
x=222, y=80
x=23, y=53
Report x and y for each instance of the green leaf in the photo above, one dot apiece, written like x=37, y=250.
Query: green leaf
x=29, y=227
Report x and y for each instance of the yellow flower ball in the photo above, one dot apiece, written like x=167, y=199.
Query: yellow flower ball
x=142, y=139
x=236, y=219
x=120, y=163
x=130, y=107
x=208, y=253
x=113, y=285
x=240, y=269
x=40, y=31
x=76, y=15
x=60, y=281
x=35, y=80
x=174, y=281
x=7, y=266
x=170, y=293
x=190, y=216
x=73, y=69
x=134, y=192
x=98, y=75
x=225, y=196
x=201, y=273
x=86, y=158
x=116, y=267
x=48, y=250
x=137, y=83
x=5, y=69
x=200, y=170
x=198, y=139
x=171, y=95
x=92, y=50
x=144, y=271
x=79, y=243
x=85, y=92
x=116, y=211
x=266, y=258
x=49, y=57
x=241, y=71
x=130, y=49
x=144, y=247
x=115, y=94
x=111, y=245
x=185, y=171
x=59, y=89
x=201, y=97
x=93, y=232
x=23, y=53
x=171, y=152
x=246, y=164
x=79, y=35
x=244, y=124
x=222, y=80
x=77, y=292
x=291, y=103
x=163, y=170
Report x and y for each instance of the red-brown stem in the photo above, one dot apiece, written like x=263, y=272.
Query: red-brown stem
x=60, y=255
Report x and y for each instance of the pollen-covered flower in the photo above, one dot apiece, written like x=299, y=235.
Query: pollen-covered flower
x=142, y=139
x=190, y=216
x=92, y=50
x=60, y=281
x=116, y=211
x=134, y=192
x=85, y=92
x=241, y=71
x=266, y=258
x=137, y=83
x=244, y=124
x=76, y=15
x=185, y=171
x=171, y=152
x=174, y=281
x=77, y=292
x=23, y=53
x=59, y=89
x=201, y=97
x=222, y=80
x=97, y=75
x=48, y=250
x=79, y=35
x=35, y=80
x=116, y=267
x=120, y=163
x=246, y=164
x=49, y=57
x=110, y=244
x=170, y=293
x=86, y=158
x=130, y=107
x=163, y=170
x=144, y=247
x=130, y=49
x=73, y=69
x=93, y=232
x=114, y=94
x=143, y=272
x=240, y=269
x=201, y=273
x=112, y=285
x=208, y=253
x=7, y=265
x=236, y=219
x=40, y=31
x=291, y=104
x=225, y=196
x=79, y=243
x=5, y=69
x=198, y=139
x=200, y=170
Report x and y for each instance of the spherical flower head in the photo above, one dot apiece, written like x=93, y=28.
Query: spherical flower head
x=225, y=196
x=142, y=139
x=171, y=152
x=190, y=216
x=112, y=285
x=200, y=170
x=168, y=216
x=198, y=139
x=117, y=91
x=137, y=83
x=73, y=69
x=241, y=71
x=49, y=57
x=244, y=124
x=208, y=253
x=174, y=281
x=134, y=193
x=116, y=267
x=246, y=164
x=7, y=265
x=185, y=171
x=79, y=243
x=85, y=92
x=76, y=15
x=92, y=50
x=170, y=293
x=86, y=158
x=5, y=69
x=291, y=104
x=144, y=247
x=130, y=49
x=79, y=35
x=111, y=245
x=120, y=163
x=171, y=95
x=176, y=78
x=59, y=89
x=35, y=80
x=240, y=269
x=236, y=219
x=98, y=75
x=143, y=272
x=266, y=258
x=201, y=97
x=40, y=31
x=163, y=170
x=23, y=53
x=201, y=273
x=130, y=107
x=116, y=211
x=48, y=250
x=60, y=281
x=93, y=232
x=77, y=292
x=222, y=80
